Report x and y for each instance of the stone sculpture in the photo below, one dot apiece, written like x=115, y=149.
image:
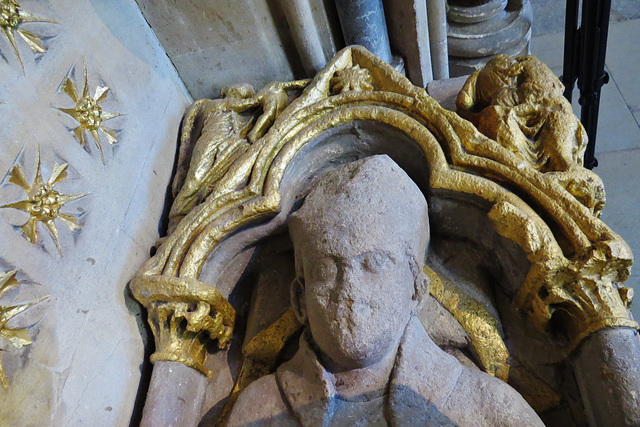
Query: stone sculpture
x=360, y=240
x=519, y=103
x=524, y=275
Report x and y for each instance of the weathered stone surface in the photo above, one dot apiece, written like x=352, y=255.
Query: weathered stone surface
x=492, y=36
x=216, y=44
x=363, y=22
x=437, y=15
x=359, y=240
x=473, y=14
x=477, y=32
x=445, y=91
x=409, y=35
x=441, y=326
x=614, y=355
x=86, y=361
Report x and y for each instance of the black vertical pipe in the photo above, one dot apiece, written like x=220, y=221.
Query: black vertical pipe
x=571, y=43
x=595, y=26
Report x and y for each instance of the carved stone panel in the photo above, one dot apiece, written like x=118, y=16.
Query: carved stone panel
x=89, y=108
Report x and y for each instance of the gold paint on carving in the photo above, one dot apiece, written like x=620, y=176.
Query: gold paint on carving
x=184, y=315
x=486, y=342
x=583, y=293
x=488, y=346
x=11, y=19
x=351, y=78
x=547, y=204
x=43, y=203
x=519, y=103
x=225, y=136
x=261, y=354
x=17, y=337
x=88, y=112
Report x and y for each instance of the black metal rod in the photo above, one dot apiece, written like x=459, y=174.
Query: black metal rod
x=595, y=24
x=571, y=39
x=584, y=60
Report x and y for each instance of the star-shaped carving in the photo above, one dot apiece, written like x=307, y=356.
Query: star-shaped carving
x=351, y=78
x=11, y=19
x=88, y=112
x=43, y=203
x=17, y=337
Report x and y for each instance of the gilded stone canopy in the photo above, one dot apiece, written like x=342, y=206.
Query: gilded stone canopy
x=248, y=158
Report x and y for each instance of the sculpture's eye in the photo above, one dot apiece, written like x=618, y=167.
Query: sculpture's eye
x=376, y=262
x=325, y=270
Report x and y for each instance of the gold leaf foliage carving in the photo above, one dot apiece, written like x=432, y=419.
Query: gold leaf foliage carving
x=18, y=338
x=12, y=16
x=43, y=202
x=194, y=313
x=88, y=112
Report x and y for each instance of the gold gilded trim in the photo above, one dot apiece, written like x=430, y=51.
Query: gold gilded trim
x=17, y=337
x=576, y=258
x=486, y=342
x=184, y=315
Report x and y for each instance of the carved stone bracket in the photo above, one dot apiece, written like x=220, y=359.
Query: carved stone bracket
x=184, y=315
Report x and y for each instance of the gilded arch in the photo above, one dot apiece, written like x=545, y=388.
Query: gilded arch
x=576, y=260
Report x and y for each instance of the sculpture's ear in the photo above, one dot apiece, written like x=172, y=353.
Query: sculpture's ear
x=421, y=289
x=297, y=300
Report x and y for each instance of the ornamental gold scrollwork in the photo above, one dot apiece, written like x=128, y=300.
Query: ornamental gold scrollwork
x=351, y=78
x=519, y=103
x=205, y=157
x=184, y=316
x=539, y=195
x=225, y=136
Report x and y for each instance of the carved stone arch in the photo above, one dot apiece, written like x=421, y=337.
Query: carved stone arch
x=574, y=260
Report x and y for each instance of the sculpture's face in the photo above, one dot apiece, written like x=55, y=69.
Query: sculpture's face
x=358, y=298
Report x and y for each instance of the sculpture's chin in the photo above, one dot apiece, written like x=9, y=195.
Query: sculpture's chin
x=361, y=355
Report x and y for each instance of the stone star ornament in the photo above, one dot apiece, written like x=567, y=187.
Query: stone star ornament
x=88, y=113
x=18, y=338
x=43, y=203
x=11, y=19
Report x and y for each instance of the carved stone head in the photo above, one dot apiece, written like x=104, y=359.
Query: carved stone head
x=360, y=240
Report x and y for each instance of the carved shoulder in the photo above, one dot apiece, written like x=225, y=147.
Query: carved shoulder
x=261, y=404
x=480, y=399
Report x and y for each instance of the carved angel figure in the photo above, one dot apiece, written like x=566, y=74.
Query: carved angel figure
x=519, y=103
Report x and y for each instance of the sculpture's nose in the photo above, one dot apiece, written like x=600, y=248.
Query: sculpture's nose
x=348, y=285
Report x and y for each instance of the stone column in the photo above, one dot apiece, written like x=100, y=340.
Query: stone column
x=409, y=36
x=482, y=29
x=437, y=16
x=177, y=402
x=607, y=369
x=305, y=34
x=363, y=23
